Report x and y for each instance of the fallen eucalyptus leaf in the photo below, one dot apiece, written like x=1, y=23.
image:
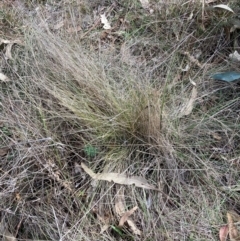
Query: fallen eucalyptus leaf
x=233, y=232
x=104, y=228
x=126, y=215
x=187, y=109
x=119, y=203
x=105, y=220
x=192, y=82
x=223, y=233
x=223, y=6
x=133, y=227
x=216, y=136
x=8, y=51
x=119, y=178
x=227, y=76
x=190, y=16
x=120, y=210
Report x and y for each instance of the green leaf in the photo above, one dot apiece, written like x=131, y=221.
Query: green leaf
x=90, y=151
x=227, y=76
x=118, y=230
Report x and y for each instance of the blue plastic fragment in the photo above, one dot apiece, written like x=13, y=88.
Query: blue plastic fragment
x=227, y=76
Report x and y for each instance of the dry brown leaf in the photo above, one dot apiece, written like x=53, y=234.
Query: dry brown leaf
x=187, y=110
x=223, y=233
x=104, y=228
x=133, y=227
x=192, y=82
x=120, y=210
x=4, y=151
x=216, y=136
x=4, y=78
x=223, y=6
x=18, y=196
x=119, y=178
x=233, y=232
x=126, y=215
x=193, y=59
x=88, y=171
x=8, y=51
x=119, y=203
x=105, y=220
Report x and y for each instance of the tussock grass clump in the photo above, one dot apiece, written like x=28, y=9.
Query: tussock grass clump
x=113, y=104
x=132, y=110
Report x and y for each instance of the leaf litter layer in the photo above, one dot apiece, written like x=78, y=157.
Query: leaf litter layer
x=139, y=114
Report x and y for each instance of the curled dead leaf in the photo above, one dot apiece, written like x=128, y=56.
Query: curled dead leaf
x=104, y=220
x=233, y=231
x=192, y=82
x=133, y=227
x=187, y=109
x=216, y=136
x=8, y=51
x=126, y=215
x=223, y=6
x=120, y=210
x=223, y=233
x=119, y=203
x=104, y=228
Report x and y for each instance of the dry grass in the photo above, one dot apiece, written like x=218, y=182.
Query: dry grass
x=115, y=101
